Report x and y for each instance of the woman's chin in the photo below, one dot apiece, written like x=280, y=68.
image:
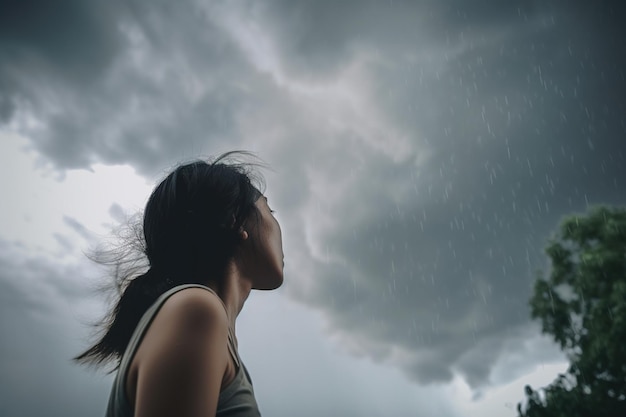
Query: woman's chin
x=268, y=283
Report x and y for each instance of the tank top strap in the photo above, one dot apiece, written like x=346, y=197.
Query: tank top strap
x=233, y=349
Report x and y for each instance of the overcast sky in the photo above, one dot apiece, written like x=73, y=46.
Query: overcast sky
x=421, y=154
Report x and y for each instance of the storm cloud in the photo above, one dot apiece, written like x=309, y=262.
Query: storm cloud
x=423, y=152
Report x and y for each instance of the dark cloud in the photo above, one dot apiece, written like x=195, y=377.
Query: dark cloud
x=523, y=122
x=39, y=304
x=69, y=42
x=79, y=228
x=71, y=37
x=117, y=213
x=318, y=39
x=130, y=105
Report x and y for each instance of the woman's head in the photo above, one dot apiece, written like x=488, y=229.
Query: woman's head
x=203, y=217
x=193, y=218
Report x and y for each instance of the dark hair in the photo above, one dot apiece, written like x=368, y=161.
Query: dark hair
x=190, y=232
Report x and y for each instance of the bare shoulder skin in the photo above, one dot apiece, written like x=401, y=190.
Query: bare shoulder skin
x=183, y=361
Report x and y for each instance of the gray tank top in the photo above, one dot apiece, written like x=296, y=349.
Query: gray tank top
x=235, y=400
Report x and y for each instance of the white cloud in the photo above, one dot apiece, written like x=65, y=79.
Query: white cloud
x=40, y=202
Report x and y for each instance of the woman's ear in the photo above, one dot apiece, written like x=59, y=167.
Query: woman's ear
x=242, y=233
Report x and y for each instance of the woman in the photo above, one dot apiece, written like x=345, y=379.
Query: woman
x=210, y=238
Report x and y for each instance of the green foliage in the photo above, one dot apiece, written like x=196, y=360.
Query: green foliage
x=582, y=305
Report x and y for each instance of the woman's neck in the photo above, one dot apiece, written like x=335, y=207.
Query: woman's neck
x=234, y=290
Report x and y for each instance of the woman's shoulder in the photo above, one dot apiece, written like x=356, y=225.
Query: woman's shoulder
x=193, y=308
x=189, y=319
x=187, y=337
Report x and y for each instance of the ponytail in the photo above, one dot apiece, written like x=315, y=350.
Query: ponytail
x=140, y=293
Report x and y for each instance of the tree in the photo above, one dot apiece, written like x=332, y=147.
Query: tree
x=582, y=305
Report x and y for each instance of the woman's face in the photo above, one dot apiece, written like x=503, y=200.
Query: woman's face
x=263, y=249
